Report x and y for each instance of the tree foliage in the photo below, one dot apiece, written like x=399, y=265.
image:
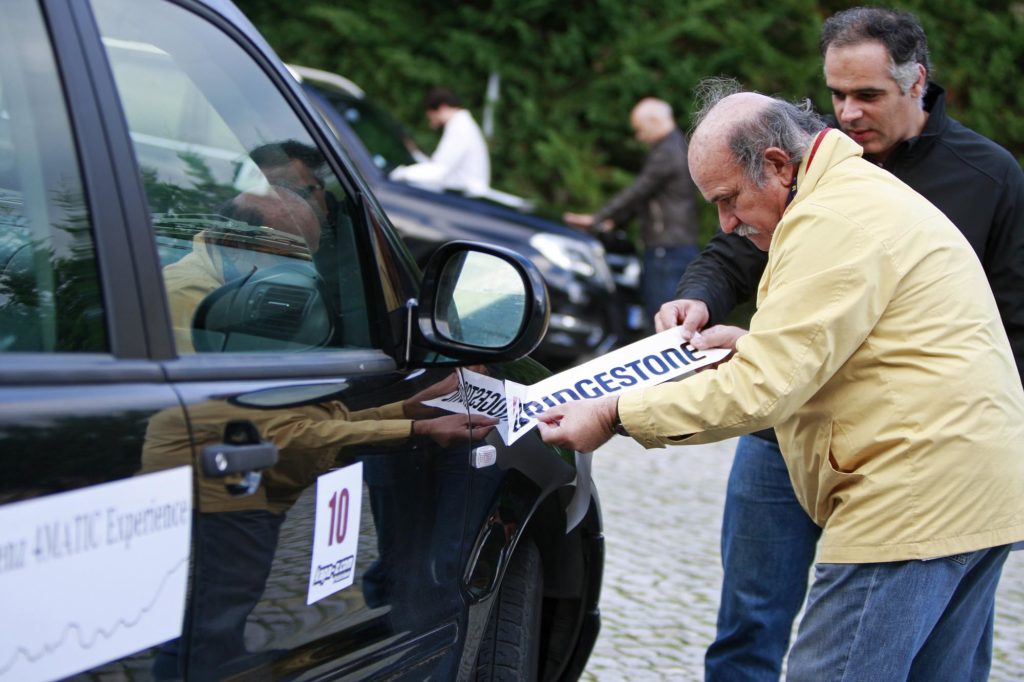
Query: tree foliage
x=571, y=70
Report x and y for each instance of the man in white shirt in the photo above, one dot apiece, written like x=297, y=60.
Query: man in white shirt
x=461, y=160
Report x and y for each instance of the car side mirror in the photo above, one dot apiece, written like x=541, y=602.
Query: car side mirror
x=482, y=303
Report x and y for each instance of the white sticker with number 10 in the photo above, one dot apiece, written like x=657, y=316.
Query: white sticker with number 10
x=339, y=498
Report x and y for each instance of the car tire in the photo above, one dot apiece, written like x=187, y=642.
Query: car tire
x=510, y=649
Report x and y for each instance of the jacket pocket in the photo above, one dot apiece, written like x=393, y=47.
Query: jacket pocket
x=834, y=485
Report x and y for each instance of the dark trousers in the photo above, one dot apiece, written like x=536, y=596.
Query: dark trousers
x=663, y=266
x=233, y=555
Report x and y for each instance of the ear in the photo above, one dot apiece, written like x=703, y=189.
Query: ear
x=777, y=163
x=922, y=79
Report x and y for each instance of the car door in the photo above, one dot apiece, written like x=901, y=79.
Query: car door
x=268, y=300
x=285, y=292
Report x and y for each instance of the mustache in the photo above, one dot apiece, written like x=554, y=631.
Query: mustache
x=745, y=230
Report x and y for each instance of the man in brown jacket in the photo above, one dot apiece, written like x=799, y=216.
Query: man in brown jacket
x=664, y=199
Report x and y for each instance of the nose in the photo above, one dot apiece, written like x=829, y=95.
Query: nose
x=727, y=219
x=848, y=111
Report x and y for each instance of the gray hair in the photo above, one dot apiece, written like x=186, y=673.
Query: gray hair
x=786, y=125
x=905, y=75
x=708, y=93
x=900, y=33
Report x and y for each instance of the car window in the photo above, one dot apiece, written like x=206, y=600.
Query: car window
x=388, y=145
x=49, y=291
x=254, y=231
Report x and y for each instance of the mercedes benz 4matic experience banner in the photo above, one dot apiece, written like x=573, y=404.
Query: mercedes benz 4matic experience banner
x=645, y=363
x=92, y=575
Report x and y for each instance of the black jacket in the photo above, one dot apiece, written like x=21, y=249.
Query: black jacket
x=663, y=195
x=975, y=182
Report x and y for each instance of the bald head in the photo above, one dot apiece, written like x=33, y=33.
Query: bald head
x=740, y=127
x=744, y=154
x=281, y=209
x=716, y=129
x=652, y=120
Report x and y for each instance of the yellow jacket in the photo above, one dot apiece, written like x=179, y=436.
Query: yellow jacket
x=188, y=281
x=878, y=354
x=202, y=271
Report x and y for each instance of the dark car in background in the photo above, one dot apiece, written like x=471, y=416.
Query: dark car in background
x=217, y=460
x=595, y=304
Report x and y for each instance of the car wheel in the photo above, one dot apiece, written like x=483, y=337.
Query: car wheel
x=510, y=648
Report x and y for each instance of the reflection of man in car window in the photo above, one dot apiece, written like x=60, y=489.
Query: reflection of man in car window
x=298, y=167
x=260, y=230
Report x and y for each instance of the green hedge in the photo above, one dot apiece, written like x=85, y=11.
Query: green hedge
x=570, y=70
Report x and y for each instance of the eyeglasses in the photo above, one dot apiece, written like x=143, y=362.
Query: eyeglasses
x=304, y=191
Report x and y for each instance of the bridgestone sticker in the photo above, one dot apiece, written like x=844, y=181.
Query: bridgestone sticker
x=648, y=362
x=479, y=394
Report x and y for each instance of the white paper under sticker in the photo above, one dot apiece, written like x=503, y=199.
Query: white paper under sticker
x=480, y=394
x=339, y=502
x=645, y=363
x=92, y=575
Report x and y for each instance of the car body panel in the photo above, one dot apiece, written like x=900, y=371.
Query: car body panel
x=122, y=399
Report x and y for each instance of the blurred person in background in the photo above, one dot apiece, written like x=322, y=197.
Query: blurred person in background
x=461, y=161
x=662, y=196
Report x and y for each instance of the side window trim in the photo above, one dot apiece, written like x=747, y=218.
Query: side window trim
x=104, y=149
x=65, y=369
x=327, y=363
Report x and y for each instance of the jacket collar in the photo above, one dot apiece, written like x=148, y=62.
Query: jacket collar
x=675, y=132
x=208, y=256
x=935, y=105
x=832, y=148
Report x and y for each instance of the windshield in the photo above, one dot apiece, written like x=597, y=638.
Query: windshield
x=388, y=145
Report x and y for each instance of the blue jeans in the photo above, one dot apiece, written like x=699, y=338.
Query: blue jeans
x=768, y=544
x=663, y=267
x=904, y=620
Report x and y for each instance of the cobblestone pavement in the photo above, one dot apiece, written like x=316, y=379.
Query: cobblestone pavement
x=662, y=515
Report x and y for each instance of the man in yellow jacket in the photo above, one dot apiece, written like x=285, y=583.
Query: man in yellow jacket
x=878, y=354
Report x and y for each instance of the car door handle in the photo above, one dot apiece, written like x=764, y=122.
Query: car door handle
x=223, y=459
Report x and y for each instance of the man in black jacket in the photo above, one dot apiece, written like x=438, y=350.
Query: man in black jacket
x=877, y=67
x=663, y=196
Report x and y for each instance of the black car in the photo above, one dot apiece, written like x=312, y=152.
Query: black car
x=595, y=297
x=220, y=454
